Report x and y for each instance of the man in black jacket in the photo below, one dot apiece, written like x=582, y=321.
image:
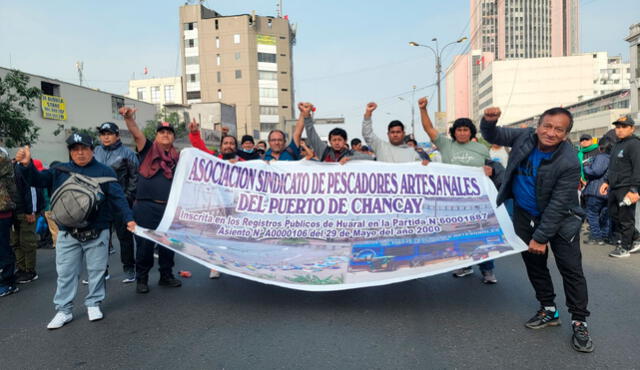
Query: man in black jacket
x=542, y=176
x=621, y=183
x=24, y=240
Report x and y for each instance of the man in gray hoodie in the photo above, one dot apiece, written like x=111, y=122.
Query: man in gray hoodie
x=125, y=163
x=395, y=150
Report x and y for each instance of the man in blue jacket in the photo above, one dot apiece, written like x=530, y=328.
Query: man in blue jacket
x=90, y=243
x=125, y=163
x=542, y=176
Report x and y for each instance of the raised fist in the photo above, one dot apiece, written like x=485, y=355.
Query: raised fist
x=492, y=114
x=305, y=109
x=23, y=156
x=127, y=112
x=193, y=125
x=371, y=107
x=422, y=102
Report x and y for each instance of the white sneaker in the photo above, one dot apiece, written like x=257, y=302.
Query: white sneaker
x=59, y=320
x=214, y=274
x=94, y=313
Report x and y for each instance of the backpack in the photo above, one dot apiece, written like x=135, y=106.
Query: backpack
x=77, y=199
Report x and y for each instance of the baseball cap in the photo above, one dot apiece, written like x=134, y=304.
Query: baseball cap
x=585, y=137
x=165, y=126
x=109, y=127
x=79, y=138
x=624, y=120
x=247, y=138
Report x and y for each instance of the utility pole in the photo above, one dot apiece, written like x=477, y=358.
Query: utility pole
x=80, y=67
x=413, y=111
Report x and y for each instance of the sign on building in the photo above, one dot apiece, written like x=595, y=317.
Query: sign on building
x=53, y=107
x=266, y=40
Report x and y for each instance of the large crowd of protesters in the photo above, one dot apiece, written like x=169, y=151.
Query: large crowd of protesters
x=548, y=186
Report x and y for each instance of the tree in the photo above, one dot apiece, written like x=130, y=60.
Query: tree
x=173, y=118
x=16, y=100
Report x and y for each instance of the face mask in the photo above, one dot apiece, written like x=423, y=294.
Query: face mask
x=247, y=150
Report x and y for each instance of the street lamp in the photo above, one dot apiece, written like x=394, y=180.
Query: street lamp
x=413, y=115
x=438, y=53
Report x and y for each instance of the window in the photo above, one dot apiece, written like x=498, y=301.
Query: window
x=192, y=60
x=238, y=74
x=50, y=89
x=219, y=94
x=217, y=42
x=218, y=59
x=140, y=93
x=116, y=104
x=218, y=76
x=268, y=92
x=169, y=91
x=284, y=72
x=266, y=57
x=217, y=25
x=191, y=43
x=268, y=110
x=285, y=107
x=193, y=77
x=268, y=76
x=193, y=95
x=284, y=89
x=190, y=26
x=265, y=127
x=236, y=38
x=237, y=55
x=155, y=94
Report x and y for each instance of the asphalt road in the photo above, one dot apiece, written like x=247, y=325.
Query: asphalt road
x=231, y=323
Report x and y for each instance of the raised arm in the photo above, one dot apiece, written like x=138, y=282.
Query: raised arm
x=426, y=121
x=128, y=114
x=504, y=136
x=297, y=132
x=313, y=139
x=367, y=129
x=33, y=177
x=195, y=138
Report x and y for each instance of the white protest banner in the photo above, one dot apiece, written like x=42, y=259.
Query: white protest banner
x=323, y=226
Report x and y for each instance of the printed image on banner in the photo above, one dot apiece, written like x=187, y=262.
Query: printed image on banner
x=318, y=226
x=53, y=107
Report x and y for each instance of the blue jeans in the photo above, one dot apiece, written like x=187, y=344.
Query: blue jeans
x=598, y=217
x=7, y=258
x=69, y=256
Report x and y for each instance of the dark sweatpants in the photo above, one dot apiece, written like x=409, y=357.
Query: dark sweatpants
x=623, y=218
x=569, y=261
x=148, y=214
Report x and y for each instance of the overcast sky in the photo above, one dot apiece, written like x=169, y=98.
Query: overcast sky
x=347, y=53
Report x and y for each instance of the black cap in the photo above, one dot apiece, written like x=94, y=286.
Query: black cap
x=585, y=137
x=109, y=127
x=165, y=126
x=247, y=138
x=624, y=120
x=79, y=138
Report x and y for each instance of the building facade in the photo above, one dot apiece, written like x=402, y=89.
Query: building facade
x=521, y=87
x=242, y=60
x=64, y=105
x=159, y=91
x=592, y=116
x=634, y=58
x=514, y=29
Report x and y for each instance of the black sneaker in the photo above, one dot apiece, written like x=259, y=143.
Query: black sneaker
x=170, y=281
x=543, y=318
x=142, y=287
x=26, y=277
x=619, y=252
x=581, y=340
